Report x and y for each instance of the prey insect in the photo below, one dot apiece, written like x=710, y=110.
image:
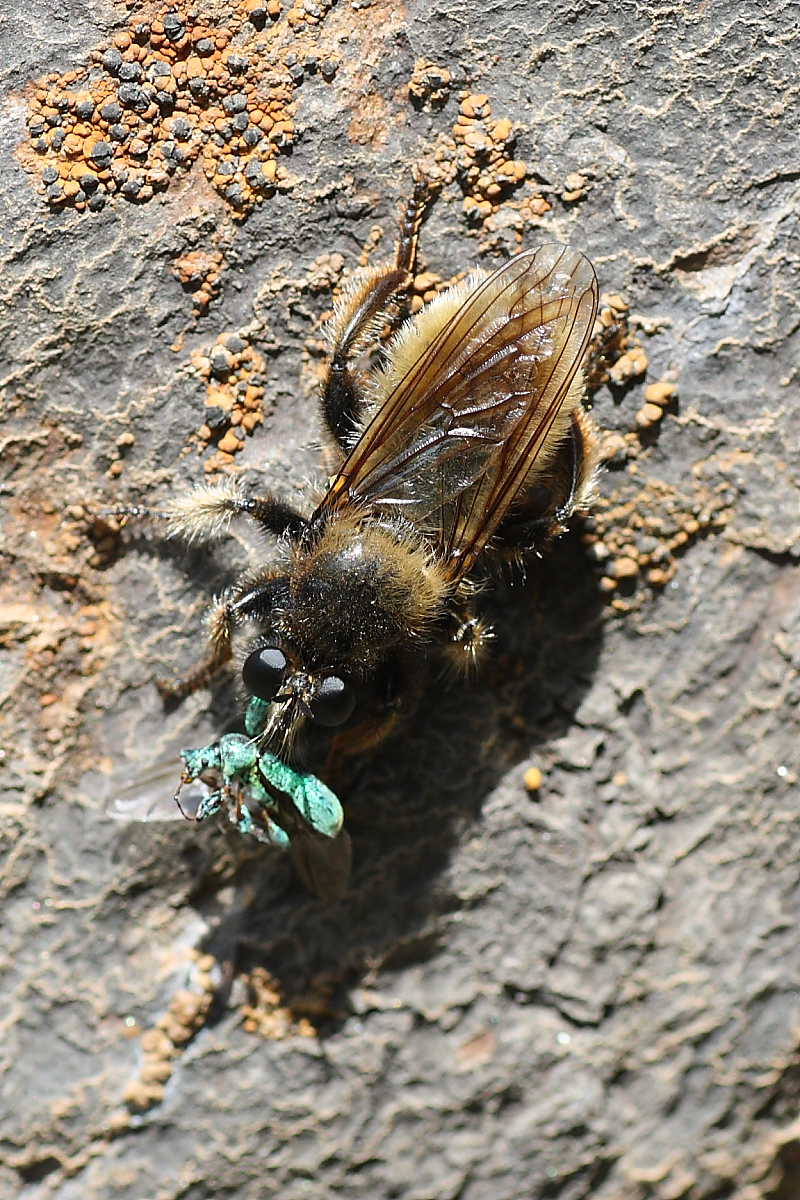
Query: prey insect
x=267, y=799
x=465, y=443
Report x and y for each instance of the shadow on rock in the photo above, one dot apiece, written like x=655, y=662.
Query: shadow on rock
x=411, y=801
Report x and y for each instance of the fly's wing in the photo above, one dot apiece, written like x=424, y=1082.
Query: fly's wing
x=323, y=864
x=471, y=415
x=151, y=796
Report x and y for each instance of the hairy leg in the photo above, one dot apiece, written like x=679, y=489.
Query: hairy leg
x=204, y=513
x=359, y=318
x=466, y=638
x=410, y=222
x=221, y=623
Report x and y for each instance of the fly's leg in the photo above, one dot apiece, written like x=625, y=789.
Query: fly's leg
x=410, y=222
x=467, y=637
x=221, y=624
x=206, y=511
x=359, y=318
x=252, y=598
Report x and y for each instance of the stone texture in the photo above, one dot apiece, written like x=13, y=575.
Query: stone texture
x=590, y=991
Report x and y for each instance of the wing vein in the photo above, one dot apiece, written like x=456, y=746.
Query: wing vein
x=459, y=430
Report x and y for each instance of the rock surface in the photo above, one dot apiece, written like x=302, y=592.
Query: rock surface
x=583, y=989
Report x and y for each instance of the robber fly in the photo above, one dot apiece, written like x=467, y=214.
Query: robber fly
x=467, y=442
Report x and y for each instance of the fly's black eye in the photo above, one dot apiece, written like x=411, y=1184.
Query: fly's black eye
x=263, y=672
x=333, y=702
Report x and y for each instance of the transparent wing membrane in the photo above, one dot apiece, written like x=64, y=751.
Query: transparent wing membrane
x=459, y=432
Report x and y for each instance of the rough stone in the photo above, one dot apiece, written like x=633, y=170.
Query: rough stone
x=584, y=991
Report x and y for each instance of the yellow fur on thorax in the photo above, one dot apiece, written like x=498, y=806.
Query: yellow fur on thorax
x=413, y=583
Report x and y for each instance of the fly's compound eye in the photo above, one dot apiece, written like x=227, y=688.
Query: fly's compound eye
x=263, y=672
x=333, y=701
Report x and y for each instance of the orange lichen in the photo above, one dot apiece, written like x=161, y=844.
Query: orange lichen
x=235, y=375
x=574, y=188
x=269, y=1014
x=162, y=1043
x=658, y=397
x=429, y=84
x=176, y=91
x=532, y=779
x=199, y=272
x=477, y=154
x=485, y=168
x=636, y=539
x=615, y=355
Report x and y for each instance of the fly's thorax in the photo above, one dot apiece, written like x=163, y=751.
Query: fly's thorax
x=360, y=591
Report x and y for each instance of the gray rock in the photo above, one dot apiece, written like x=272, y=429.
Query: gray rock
x=589, y=991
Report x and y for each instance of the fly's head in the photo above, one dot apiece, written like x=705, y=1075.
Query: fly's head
x=344, y=638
